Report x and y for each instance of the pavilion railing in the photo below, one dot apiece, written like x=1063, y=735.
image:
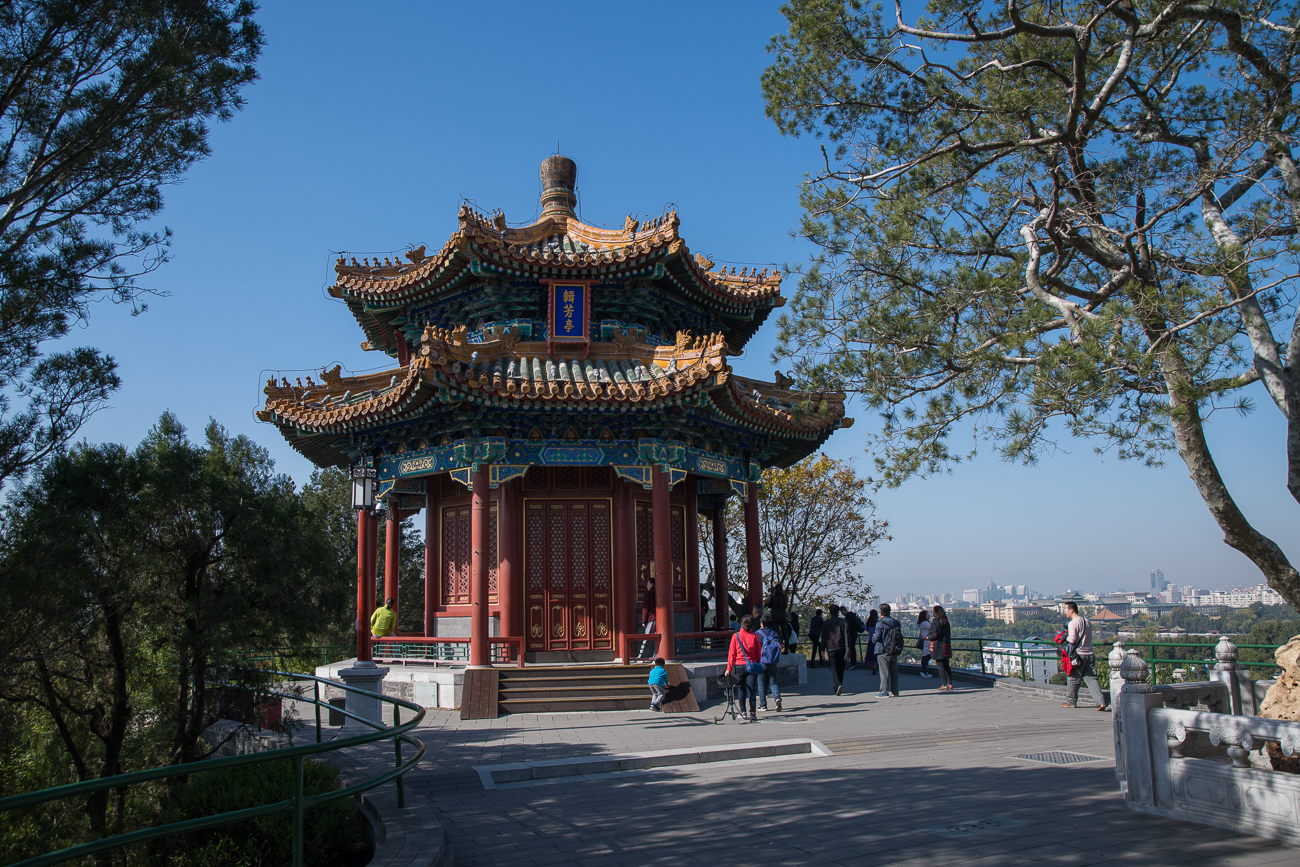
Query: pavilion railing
x=687, y=644
x=296, y=805
x=504, y=649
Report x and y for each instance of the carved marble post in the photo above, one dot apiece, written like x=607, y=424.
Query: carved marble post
x=1135, y=699
x=1116, y=660
x=1228, y=671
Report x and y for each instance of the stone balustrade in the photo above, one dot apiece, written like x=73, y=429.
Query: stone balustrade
x=1190, y=751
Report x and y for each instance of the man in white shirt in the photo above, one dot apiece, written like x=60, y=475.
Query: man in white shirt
x=1079, y=636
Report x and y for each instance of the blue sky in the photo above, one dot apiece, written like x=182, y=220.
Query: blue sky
x=366, y=131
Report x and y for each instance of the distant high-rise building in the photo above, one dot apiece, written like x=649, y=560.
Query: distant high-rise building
x=972, y=596
x=1158, y=582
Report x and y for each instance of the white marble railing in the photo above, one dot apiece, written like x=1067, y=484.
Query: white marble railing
x=1173, y=759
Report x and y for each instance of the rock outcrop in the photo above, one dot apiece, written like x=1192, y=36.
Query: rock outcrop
x=1283, y=701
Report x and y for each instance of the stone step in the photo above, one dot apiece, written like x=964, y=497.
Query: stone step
x=606, y=701
x=565, y=682
x=522, y=692
x=525, y=773
x=534, y=672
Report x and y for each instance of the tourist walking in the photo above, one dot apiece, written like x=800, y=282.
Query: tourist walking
x=648, y=617
x=770, y=656
x=941, y=644
x=888, y=644
x=923, y=643
x=744, y=664
x=792, y=646
x=815, y=650
x=1083, y=660
x=869, y=655
x=835, y=633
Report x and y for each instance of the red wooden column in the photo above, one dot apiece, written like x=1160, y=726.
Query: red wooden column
x=663, y=551
x=392, y=553
x=480, y=655
x=753, y=553
x=693, y=552
x=720, y=584
x=510, y=566
x=625, y=601
x=363, y=586
x=431, y=539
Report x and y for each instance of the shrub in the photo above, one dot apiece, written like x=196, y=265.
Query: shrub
x=1058, y=679
x=331, y=831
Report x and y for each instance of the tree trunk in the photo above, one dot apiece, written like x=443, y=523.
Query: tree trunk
x=1189, y=434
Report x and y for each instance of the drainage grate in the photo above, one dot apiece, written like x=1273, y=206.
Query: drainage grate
x=1059, y=758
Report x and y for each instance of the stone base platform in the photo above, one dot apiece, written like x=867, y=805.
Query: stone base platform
x=439, y=685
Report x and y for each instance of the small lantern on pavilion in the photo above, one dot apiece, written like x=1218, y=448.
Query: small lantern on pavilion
x=363, y=486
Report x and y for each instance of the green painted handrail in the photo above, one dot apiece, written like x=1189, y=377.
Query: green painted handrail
x=297, y=805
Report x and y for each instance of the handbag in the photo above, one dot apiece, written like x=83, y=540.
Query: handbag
x=751, y=667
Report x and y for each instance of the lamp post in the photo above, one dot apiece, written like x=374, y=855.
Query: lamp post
x=364, y=674
x=363, y=500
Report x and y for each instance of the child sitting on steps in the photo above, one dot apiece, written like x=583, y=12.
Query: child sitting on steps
x=658, y=684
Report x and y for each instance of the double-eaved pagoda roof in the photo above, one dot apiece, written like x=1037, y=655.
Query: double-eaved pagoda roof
x=476, y=362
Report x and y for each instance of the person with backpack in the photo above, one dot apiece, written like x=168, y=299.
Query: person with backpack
x=792, y=643
x=888, y=644
x=744, y=662
x=1082, y=658
x=770, y=656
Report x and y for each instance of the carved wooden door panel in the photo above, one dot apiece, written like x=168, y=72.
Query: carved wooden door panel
x=457, y=554
x=645, y=551
x=568, y=570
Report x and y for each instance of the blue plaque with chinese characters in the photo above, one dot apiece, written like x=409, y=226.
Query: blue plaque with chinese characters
x=568, y=311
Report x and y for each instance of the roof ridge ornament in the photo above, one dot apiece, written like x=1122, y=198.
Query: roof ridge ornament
x=559, y=185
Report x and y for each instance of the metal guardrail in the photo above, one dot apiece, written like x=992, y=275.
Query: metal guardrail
x=1024, y=647
x=297, y=805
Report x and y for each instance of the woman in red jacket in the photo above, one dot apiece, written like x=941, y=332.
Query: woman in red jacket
x=744, y=662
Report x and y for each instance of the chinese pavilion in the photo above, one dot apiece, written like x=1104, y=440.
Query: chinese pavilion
x=561, y=409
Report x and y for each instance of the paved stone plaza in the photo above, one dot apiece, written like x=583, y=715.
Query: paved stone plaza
x=925, y=779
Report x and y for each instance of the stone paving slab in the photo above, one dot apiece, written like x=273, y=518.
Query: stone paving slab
x=925, y=779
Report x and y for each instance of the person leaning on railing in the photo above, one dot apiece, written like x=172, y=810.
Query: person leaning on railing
x=941, y=642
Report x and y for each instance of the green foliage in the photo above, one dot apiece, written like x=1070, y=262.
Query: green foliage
x=1061, y=219
x=816, y=524
x=101, y=103
x=329, y=495
x=131, y=579
x=331, y=831
x=1058, y=679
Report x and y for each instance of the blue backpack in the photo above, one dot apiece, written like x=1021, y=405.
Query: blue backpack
x=771, y=646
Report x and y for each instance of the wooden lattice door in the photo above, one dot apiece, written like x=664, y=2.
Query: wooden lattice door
x=645, y=551
x=457, y=554
x=568, y=567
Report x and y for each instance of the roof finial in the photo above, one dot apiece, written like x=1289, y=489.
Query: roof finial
x=559, y=180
